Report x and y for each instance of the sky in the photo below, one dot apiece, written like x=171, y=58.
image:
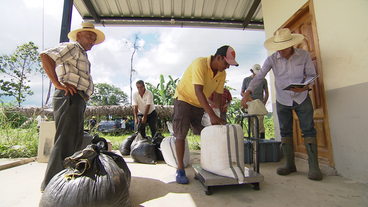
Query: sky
x=163, y=50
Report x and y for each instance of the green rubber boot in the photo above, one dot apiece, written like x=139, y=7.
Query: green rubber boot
x=288, y=150
x=311, y=146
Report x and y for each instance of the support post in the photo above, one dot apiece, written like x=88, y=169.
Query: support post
x=66, y=20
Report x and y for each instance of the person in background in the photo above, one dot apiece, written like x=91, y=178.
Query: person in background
x=144, y=108
x=226, y=100
x=290, y=65
x=92, y=123
x=123, y=123
x=261, y=93
x=131, y=124
x=69, y=70
x=202, y=77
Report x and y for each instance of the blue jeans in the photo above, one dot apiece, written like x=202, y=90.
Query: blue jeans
x=304, y=111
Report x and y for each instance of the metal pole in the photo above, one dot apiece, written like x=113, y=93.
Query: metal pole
x=256, y=143
x=66, y=20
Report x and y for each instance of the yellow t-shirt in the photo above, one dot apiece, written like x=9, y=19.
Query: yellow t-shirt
x=199, y=72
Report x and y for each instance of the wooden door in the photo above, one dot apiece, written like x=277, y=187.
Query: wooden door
x=302, y=22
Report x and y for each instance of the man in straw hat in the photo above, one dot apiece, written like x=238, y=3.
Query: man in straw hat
x=261, y=93
x=68, y=68
x=290, y=65
x=203, y=76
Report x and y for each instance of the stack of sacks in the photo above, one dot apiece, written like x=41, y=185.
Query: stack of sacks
x=222, y=151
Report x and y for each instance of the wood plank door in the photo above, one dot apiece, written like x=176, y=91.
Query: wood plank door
x=303, y=22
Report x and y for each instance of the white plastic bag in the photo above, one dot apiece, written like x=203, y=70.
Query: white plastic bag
x=206, y=121
x=256, y=107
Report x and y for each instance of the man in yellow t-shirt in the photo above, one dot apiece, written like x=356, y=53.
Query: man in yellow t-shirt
x=204, y=76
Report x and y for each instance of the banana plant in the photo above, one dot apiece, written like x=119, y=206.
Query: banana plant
x=163, y=94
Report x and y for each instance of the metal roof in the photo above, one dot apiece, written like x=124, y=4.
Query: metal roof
x=235, y=14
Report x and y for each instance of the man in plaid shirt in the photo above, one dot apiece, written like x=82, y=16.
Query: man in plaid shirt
x=68, y=68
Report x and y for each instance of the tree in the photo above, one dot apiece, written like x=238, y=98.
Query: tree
x=17, y=69
x=163, y=94
x=135, y=48
x=105, y=94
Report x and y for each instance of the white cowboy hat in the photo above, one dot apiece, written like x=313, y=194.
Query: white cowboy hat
x=255, y=69
x=72, y=35
x=283, y=39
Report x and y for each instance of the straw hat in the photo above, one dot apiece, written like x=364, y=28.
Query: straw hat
x=72, y=35
x=283, y=39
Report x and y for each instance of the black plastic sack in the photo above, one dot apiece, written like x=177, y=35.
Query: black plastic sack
x=124, y=147
x=93, y=177
x=141, y=127
x=156, y=140
x=142, y=151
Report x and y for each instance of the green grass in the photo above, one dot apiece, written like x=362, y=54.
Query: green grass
x=194, y=141
x=17, y=142
x=22, y=141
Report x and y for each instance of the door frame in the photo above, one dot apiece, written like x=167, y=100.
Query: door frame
x=308, y=7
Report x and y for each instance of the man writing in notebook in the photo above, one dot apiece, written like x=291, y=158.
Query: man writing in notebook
x=290, y=65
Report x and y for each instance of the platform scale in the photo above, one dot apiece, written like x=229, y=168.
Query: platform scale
x=210, y=180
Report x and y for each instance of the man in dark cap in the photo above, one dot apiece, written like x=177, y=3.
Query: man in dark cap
x=203, y=76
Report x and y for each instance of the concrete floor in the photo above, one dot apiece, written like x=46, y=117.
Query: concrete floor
x=154, y=185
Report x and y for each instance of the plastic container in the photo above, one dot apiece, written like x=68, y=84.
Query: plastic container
x=269, y=151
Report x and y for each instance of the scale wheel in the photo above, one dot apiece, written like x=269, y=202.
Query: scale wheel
x=208, y=192
x=256, y=186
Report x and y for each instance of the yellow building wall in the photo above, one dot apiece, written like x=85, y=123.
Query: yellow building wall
x=343, y=39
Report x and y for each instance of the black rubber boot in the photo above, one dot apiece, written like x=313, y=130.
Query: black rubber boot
x=288, y=150
x=311, y=146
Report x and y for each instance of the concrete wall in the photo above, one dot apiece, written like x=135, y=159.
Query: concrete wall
x=343, y=39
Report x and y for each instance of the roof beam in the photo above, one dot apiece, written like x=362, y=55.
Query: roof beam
x=251, y=12
x=157, y=21
x=92, y=11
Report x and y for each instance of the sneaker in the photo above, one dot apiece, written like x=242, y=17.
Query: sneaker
x=181, y=178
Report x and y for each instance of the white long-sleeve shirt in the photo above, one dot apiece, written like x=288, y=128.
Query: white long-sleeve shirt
x=293, y=70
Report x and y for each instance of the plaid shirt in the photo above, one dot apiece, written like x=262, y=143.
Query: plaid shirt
x=72, y=65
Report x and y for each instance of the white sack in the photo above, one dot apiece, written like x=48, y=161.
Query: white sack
x=168, y=150
x=222, y=151
x=206, y=121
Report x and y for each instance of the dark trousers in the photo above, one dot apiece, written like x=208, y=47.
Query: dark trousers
x=304, y=111
x=151, y=120
x=69, y=119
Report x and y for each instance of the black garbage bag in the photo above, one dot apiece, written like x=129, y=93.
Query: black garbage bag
x=124, y=147
x=142, y=151
x=93, y=177
x=141, y=127
x=156, y=140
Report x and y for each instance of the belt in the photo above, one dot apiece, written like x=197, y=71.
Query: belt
x=83, y=95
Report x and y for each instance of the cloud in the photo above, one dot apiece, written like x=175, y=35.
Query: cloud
x=163, y=50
